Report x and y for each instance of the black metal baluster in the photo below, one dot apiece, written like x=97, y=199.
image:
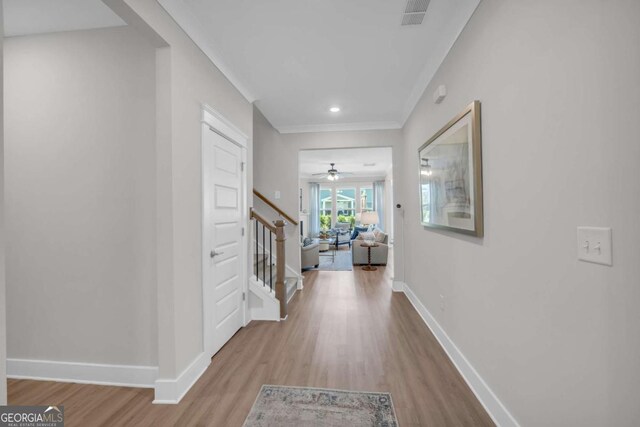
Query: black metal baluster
x=270, y=261
x=264, y=258
x=256, y=236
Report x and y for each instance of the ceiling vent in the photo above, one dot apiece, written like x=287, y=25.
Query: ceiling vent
x=414, y=12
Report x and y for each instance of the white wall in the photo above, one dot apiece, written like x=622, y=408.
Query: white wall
x=272, y=172
x=193, y=81
x=304, y=186
x=80, y=197
x=557, y=340
x=145, y=182
x=3, y=314
x=389, y=206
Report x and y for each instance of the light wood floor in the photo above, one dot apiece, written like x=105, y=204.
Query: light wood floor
x=346, y=330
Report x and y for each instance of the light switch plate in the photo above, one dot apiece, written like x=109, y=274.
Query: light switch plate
x=594, y=245
x=277, y=195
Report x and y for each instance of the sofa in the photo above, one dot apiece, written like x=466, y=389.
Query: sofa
x=310, y=255
x=379, y=255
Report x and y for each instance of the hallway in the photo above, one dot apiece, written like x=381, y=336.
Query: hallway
x=346, y=330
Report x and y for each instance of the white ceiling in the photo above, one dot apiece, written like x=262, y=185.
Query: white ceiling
x=22, y=17
x=298, y=58
x=295, y=58
x=347, y=160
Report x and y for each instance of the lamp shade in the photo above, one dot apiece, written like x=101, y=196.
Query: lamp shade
x=370, y=217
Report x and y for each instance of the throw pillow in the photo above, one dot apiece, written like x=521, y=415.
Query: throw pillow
x=358, y=230
x=307, y=241
x=367, y=235
x=379, y=235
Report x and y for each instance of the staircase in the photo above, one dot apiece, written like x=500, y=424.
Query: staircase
x=269, y=283
x=262, y=266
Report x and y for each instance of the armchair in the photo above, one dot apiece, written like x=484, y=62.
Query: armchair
x=310, y=255
x=342, y=234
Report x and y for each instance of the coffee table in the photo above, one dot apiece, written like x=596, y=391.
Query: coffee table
x=325, y=249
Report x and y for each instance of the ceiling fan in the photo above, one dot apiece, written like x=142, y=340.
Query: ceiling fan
x=332, y=174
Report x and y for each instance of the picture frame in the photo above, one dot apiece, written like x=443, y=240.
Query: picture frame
x=450, y=175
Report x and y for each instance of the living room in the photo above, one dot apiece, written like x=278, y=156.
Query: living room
x=346, y=208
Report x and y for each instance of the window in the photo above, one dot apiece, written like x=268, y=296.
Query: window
x=341, y=204
x=346, y=205
x=426, y=200
x=326, y=207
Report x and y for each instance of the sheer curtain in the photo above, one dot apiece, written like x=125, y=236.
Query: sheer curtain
x=378, y=202
x=314, y=209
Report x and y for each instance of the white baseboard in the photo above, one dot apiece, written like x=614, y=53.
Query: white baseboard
x=171, y=391
x=83, y=373
x=496, y=410
x=397, y=286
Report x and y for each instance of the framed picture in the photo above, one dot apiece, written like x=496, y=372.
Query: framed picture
x=451, y=175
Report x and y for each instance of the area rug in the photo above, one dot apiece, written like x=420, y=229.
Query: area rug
x=300, y=406
x=342, y=261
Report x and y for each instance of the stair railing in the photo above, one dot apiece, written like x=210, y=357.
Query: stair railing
x=275, y=207
x=266, y=234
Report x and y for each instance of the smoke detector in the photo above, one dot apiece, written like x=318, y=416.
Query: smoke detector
x=414, y=12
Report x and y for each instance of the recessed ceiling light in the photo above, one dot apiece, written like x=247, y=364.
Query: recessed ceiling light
x=334, y=109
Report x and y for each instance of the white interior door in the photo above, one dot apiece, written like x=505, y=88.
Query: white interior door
x=222, y=245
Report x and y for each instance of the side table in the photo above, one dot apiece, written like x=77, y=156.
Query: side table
x=369, y=267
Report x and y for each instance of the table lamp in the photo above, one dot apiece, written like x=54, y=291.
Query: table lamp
x=369, y=218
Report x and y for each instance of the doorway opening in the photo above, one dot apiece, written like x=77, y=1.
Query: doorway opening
x=346, y=207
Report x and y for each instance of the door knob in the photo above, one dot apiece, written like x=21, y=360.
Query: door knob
x=214, y=253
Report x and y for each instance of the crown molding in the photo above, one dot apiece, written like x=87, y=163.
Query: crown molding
x=184, y=18
x=339, y=127
x=181, y=13
x=429, y=71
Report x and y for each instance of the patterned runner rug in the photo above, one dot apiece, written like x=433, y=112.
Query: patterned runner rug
x=298, y=406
